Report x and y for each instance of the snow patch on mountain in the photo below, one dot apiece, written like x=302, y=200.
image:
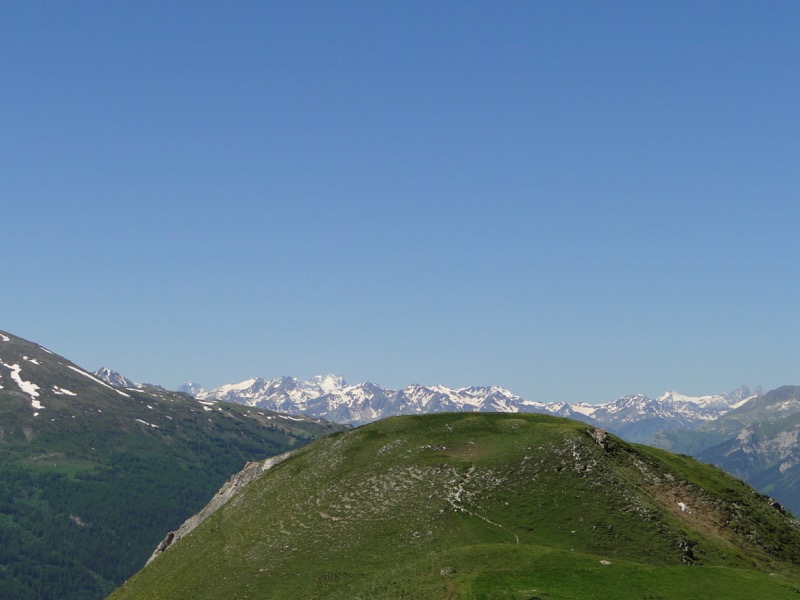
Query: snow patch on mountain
x=584, y=409
x=59, y=391
x=27, y=387
x=742, y=402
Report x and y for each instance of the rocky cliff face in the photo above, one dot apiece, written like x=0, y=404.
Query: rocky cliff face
x=243, y=478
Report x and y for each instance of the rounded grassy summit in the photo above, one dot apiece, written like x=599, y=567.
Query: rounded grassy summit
x=476, y=505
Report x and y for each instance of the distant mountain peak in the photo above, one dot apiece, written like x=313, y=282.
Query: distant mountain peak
x=191, y=388
x=329, y=381
x=114, y=378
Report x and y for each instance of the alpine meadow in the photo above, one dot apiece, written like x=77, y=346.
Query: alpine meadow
x=482, y=506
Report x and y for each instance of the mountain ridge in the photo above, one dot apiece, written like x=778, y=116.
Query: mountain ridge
x=635, y=417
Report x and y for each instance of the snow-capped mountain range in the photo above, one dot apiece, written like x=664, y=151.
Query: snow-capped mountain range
x=748, y=433
x=636, y=417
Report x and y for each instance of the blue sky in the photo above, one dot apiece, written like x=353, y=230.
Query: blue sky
x=575, y=200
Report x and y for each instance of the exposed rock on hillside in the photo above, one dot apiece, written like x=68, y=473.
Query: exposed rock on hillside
x=251, y=472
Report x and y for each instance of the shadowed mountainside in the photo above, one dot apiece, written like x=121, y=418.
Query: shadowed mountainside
x=92, y=475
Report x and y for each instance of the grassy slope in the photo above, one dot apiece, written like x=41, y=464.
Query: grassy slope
x=482, y=506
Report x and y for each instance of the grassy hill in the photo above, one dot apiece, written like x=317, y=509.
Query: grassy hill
x=91, y=476
x=483, y=506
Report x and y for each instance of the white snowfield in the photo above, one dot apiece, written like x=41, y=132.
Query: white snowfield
x=59, y=391
x=27, y=387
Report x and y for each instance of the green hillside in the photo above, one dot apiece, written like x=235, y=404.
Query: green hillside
x=483, y=506
x=91, y=477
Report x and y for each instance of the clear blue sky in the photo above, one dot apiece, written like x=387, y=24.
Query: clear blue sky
x=575, y=200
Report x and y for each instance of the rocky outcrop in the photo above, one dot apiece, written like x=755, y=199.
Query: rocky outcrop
x=251, y=472
x=600, y=436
